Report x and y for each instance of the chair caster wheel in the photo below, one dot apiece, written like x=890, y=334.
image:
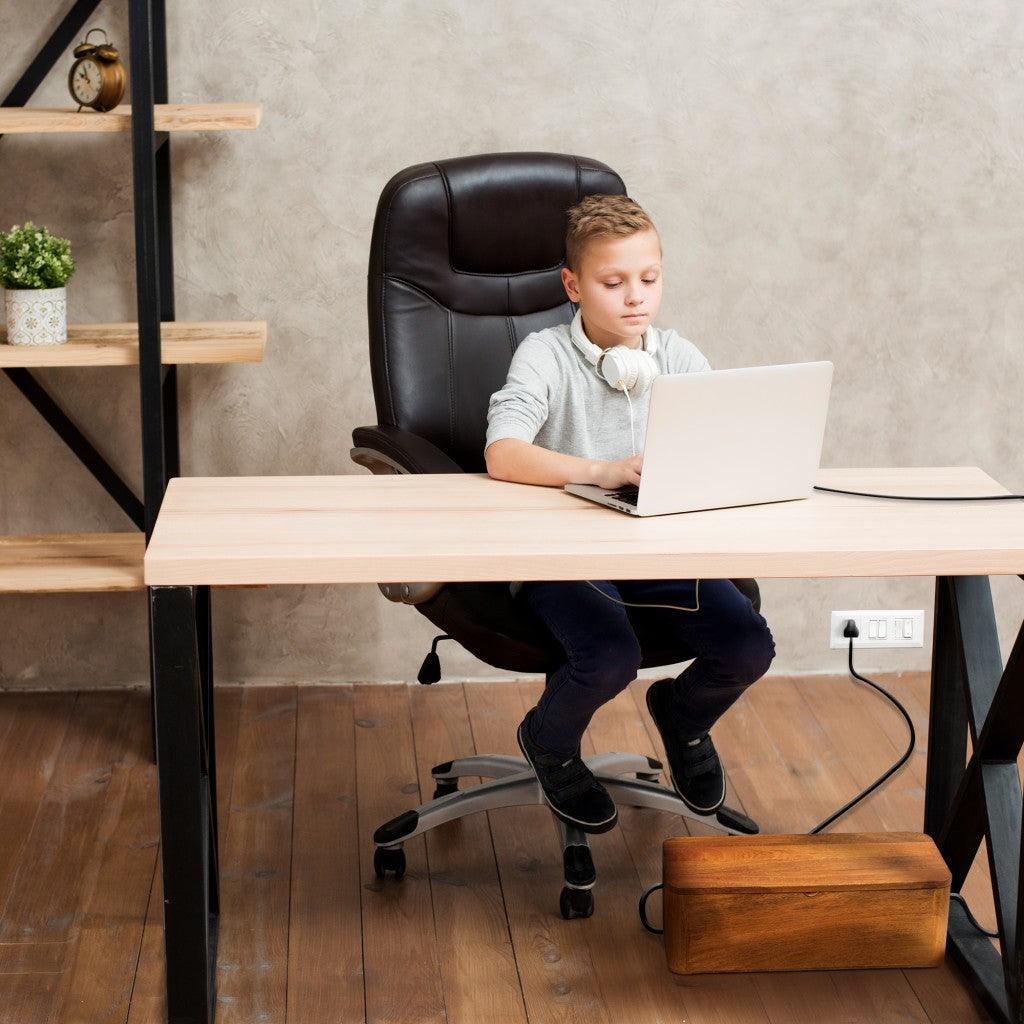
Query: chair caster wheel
x=737, y=820
x=576, y=903
x=649, y=776
x=445, y=789
x=389, y=858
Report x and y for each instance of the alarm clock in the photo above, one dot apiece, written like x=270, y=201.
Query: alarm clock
x=97, y=77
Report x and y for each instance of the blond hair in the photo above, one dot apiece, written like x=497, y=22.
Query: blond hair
x=602, y=217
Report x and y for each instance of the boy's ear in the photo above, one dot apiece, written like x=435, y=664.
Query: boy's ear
x=571, y=285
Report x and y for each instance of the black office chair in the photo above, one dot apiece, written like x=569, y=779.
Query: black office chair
x=464, y=264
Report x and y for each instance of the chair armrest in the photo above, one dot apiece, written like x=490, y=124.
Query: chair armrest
x=401, y=450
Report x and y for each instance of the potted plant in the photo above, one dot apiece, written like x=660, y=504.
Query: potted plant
x=34, y=267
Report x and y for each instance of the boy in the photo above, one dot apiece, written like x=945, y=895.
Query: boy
x=555, y=422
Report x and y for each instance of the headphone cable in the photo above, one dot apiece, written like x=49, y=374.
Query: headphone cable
x=629, y=402
x=633, y=604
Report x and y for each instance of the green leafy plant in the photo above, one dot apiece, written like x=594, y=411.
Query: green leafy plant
x=31, y=257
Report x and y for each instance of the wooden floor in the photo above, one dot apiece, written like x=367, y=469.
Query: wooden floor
x=472, y=933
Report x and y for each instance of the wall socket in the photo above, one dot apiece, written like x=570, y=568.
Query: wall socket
x=879, y=628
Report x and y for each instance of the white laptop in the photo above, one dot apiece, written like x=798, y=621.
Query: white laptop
x=727, y=437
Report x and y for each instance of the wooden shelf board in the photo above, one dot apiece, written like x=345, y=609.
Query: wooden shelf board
x=167, y=117
x=118, y=345
x=71, y=562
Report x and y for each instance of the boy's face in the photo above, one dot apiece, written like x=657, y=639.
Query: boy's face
x=618, y=287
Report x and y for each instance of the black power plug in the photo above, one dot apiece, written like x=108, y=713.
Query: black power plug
x=850, y=629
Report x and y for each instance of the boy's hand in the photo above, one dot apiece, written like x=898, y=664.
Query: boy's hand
x=611, y=475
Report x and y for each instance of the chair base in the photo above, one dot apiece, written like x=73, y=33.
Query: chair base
x=514, y=784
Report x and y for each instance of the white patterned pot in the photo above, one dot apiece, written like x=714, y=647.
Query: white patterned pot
x=36, y=316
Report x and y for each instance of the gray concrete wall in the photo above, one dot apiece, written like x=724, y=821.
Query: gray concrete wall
x=836, y=180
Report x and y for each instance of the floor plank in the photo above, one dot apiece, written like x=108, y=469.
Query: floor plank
x=27, y=998
x=478, y=966
x=33, y=957
x=97, y=982
x=400, y=956
x=325, y=949
x=256, y=862
x=33, y=728
x=46, y=894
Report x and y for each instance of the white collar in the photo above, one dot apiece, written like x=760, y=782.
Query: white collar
x=649, y=342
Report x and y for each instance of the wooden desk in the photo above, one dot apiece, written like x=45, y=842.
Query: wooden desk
x=461, y=527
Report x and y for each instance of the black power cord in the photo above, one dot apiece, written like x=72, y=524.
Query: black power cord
x=925, y=497
x=850, y=630
x=970, y=917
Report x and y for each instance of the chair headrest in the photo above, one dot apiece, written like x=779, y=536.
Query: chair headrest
x=485, y=234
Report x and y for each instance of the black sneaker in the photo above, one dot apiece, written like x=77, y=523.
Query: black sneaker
x=569, y=786
x=695, y=769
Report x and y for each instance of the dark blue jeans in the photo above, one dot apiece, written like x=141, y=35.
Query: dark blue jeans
x=602, y=641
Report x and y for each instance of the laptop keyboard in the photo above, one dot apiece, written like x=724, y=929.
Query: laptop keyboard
x=627, y=495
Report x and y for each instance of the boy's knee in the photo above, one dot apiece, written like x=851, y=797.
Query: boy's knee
x=752, y=652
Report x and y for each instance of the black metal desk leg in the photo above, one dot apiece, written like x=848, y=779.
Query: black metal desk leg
x=987, y=800
x=204, y=636
x=190, y=929
x=1017, y=979
x=947, y=714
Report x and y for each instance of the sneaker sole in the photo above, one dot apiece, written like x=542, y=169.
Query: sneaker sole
x=668, y=770
x=584, y=826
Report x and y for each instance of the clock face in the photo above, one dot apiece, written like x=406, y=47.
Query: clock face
x=86, y=81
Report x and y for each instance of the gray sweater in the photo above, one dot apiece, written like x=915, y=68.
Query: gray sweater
x=553, y=397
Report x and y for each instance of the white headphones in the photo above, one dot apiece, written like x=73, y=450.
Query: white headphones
x=631, y=370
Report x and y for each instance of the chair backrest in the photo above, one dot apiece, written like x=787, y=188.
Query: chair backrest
x=465, y=262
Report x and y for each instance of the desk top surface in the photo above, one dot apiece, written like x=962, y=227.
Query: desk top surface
x=227, y=531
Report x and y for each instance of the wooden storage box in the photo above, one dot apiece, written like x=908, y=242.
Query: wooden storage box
x=793, y=903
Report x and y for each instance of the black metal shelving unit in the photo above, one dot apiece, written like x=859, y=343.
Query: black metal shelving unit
x=154, y=272
x=154, y=275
